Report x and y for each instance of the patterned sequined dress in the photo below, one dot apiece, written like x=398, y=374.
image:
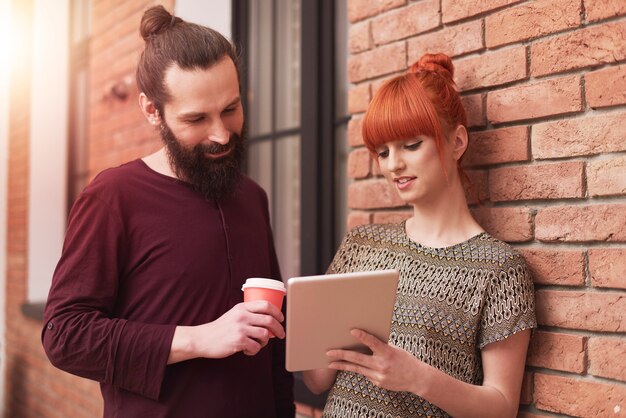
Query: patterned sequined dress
x=450, y=303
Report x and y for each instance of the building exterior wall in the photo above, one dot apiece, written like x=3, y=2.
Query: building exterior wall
x=544, y=85
x=118, y=133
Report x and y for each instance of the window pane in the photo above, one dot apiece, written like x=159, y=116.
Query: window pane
x=260, y=163
x=275, y=166
x=287, y=205
x=260, y=68
x=288, y=64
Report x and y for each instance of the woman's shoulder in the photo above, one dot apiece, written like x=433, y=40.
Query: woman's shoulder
x=497, y=250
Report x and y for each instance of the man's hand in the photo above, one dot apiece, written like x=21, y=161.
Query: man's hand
x=246, y=327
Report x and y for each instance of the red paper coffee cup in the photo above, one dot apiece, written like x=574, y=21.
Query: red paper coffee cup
x=270, y=290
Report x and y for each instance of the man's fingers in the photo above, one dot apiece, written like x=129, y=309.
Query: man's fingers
x=264, y=307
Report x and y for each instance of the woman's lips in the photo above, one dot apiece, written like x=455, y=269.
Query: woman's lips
x=404, y=182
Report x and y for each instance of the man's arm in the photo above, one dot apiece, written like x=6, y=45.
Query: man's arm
x=80, y=334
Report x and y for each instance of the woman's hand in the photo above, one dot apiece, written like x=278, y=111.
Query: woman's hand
x=388, y=367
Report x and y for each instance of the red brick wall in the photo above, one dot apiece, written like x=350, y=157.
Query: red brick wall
x=544, y=83
x=117, y=133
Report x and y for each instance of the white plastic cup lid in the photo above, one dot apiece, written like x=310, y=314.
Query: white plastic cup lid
x=265, y=284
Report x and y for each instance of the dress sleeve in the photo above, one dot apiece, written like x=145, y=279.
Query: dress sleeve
x=81, y=334
x=509, y=303
x=343, y=257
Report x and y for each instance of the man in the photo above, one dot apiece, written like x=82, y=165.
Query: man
x=147, y=297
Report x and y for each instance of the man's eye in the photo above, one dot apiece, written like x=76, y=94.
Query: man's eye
x=195, y=120
x=383, y=154
x=413, y=146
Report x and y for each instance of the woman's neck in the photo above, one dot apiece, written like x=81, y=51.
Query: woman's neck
x=444, y=220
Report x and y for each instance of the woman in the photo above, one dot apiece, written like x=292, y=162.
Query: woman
x=464, y=306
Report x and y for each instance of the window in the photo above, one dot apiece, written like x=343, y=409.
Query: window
x=293, y=78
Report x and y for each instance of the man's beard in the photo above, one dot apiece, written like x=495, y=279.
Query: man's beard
x=213, y=178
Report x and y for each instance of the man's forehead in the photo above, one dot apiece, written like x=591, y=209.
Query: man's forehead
x=218, y=82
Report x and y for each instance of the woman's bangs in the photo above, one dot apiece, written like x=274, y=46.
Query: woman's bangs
x=400, y=110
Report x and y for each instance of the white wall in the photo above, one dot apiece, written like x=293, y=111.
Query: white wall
x=48, y=144
x=215, y=14
x=5, y=10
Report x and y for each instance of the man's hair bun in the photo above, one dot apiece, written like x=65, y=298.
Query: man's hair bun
x=438, y=63
x=155, y=21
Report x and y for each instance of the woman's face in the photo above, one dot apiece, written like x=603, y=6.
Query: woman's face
x=414, y=168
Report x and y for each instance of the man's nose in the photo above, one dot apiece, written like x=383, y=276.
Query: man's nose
x=219, y=134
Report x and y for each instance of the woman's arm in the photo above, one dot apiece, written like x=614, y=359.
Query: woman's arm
x=319, y=380
x=395, y=369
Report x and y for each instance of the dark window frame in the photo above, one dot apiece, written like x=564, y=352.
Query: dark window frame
x=317, y=129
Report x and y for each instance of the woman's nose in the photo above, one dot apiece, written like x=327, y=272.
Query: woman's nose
x=394, y=162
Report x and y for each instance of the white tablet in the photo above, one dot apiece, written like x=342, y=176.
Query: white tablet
x=321, y=311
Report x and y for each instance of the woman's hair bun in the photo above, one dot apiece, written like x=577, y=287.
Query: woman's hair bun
x=155, y=21
x=439, y=63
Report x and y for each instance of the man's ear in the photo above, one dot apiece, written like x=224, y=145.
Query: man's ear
x=149, y=109
x=461, y=141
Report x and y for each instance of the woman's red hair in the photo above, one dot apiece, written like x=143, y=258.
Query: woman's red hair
x=423, y=101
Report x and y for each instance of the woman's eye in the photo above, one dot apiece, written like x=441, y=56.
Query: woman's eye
x=383, y=154
x=413, y=146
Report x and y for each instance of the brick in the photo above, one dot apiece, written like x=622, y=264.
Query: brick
x=529, y=21
x=359, y=38
x=580, y=136
x=380, y=61
x=526, y=414
x=475, y=110
x=391, y=4
x=544, y=98
x=606, y=87
x=361, y=9
x=582, y=48
x=359, y=98
x=602, y=9
x=512, y=224
x=356, y=218
x=581, y=223
x=372, y=194
x=477, y=189
x=497, y=146
x=607, y=357
x=354, y=132
x=591, y=311
x=607, y=177
x=387, y=217
x=526, y=396
x=557, y=351
x=607, y=267
x=579, y=398
x=491, y=69
x=537, y=181
x=555, y=267
x=359, y=163
x=406, y=21
x=451, y=40
x=452, y=10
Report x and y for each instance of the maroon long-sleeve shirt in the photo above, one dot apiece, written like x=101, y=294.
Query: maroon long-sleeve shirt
x=144, y=253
